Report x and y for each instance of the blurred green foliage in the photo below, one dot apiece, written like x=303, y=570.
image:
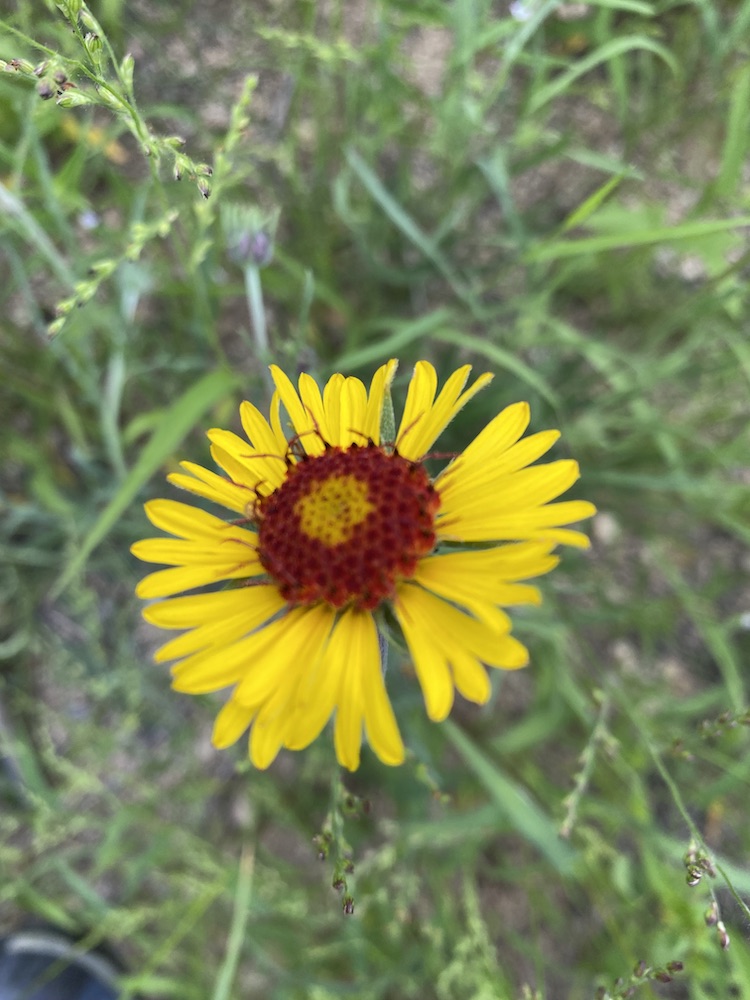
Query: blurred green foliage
x=557, y=193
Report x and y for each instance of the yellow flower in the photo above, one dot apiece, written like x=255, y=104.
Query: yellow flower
x=334, y=524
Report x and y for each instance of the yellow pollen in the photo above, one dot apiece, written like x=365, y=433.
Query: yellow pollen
x=333, y=509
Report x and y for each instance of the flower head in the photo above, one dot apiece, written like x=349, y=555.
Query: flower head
x=333, y=525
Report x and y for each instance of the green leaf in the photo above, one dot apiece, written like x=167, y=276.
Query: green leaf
x=633, y=6
x=734, y=153
x=531, y=822
x=558, y=249
x=16, y=216
x=501, y=359
x=399, y=335
x=587, y=208
x=403, y=221
x=175, y=424
x=610, y=50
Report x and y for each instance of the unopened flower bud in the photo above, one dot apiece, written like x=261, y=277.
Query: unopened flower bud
x=724, y=939
x=711, y=916
x=252, y=248
x=87, y=20
x=694, y=875
x=92, y=42
x=73, y=99
x=127, y=67
x=20, y=66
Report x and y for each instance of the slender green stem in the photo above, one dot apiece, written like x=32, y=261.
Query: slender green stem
x=243, y=894
x=254, y=294
x=679, y=802
x=587, y=761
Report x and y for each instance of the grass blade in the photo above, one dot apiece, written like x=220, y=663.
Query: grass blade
x=503, y=359
x=406, y=224
x=228, y=970
x=523, y=813
x=178, y=420
x=587, y=208
x=734, y=153
x=610, y=50
x=638, y=238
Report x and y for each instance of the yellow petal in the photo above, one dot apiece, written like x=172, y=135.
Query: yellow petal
x=272, y=722
x=438, y=633
x=470, y=677
x=200, y=609
x=223, y=552
x=252, y=657
x=318, y=690
x=510, y=654
x=353, y=414
x=259, y=432
x=512, y=561
x=275, y=420
x=574, y=538
x=231, y=622
x=302, y=422
x=464, y=581
x=539, y=523
x=283, y=650
x=244, y=466
x=347, y=735
x=426, y=430
x=204, y=483
x=312, y=400
x=419, y=399
x=267, y=734
x=497, y=437
x=167, y=582
x=224, y=632
x=182, y=519
x=332, y=406
x=214, y=675
x=433, y=673
x=380, y=722
x=230, y=724
x=517, y=492
x=420, y=437
x=470, y=472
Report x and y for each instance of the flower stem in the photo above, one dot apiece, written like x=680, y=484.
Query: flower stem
x=254, y=294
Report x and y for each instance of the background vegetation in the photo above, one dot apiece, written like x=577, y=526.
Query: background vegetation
x=556, y=193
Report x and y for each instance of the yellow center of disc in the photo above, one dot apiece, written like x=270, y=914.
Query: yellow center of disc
x=332, y=510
